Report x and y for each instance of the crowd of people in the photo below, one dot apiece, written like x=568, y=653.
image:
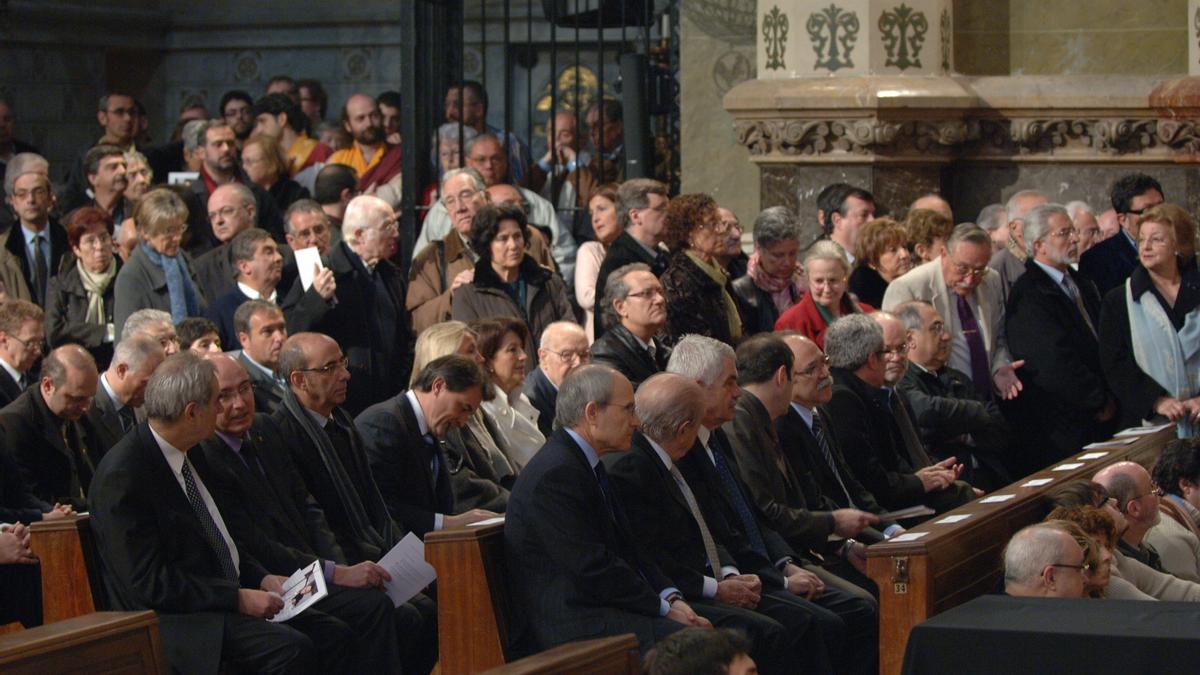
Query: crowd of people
x=235, y=378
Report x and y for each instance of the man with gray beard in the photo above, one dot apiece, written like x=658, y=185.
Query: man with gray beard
x=1053, y=314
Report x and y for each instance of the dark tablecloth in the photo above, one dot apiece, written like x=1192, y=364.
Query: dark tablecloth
x=1001, y=634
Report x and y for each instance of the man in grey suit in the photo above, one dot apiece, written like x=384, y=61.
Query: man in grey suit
x=122, y=390
x=967, y=293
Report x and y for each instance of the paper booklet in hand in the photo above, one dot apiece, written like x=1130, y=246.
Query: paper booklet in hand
x=302, y=590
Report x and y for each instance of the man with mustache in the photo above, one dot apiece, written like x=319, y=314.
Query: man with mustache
x=105, y=170
x=968, y=294
x=1053, y=315
x=259, y=267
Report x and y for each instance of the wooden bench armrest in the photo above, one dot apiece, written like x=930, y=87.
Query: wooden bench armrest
x=100, y=642
x=608, y=655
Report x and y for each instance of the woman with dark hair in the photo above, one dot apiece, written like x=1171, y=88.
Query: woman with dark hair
x=199, y=335
x=1150, y=327
x=607, y=227
x=774, y=281
x=698, y=291
x=508, y=282
x=80, y=302
x=882, y=256
x=510, y=415
x=1177, y=474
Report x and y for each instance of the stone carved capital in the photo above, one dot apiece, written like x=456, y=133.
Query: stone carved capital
x=1099, y=138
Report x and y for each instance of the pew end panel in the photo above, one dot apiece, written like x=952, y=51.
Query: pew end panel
x=71, y=580
x=100, y=643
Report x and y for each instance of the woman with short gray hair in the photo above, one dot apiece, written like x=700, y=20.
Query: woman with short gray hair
x=774, y=281
x=827, y=270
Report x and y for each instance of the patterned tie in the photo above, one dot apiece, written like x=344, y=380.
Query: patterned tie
x=710, y=546
x=1073, y=292
x=981, y=375
x=734, y=494
x=436, y=465
x=41, y=270
x=818, y=430
x=127, y=417
x=215, y=540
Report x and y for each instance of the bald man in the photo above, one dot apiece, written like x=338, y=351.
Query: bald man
x=375, y=161
x=563, y=348
x=1044, y=561
x=232, y=210
x=43, y=430
x=934, y=202
x=1137, y=498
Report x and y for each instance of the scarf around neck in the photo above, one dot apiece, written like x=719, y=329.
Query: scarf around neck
x=96, y=285
x=784, y=291
x=182, y=294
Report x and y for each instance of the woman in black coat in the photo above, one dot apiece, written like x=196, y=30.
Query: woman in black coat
x=697, y=288
x=79, y=301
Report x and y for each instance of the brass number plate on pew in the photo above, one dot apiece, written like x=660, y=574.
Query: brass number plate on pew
x=900, y=575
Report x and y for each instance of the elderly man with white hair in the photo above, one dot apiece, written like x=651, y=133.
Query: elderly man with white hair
x=562, y=349
x=1010, y=261
x=1083, y=219
x=367, y=316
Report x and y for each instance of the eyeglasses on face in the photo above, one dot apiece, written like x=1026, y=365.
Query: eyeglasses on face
x=568, y=355
x=814, y=368
x=327, y=368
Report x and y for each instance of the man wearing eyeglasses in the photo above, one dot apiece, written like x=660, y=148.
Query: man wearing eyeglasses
x=635, y=310
x=231, y=210
x=1110, y=262
x=563, y=348
x=1053, y=313
x=1137, y=499
x=21, y=340
x=38, y=242
x=1044, y=560
x=967, y=294
x=237, y=108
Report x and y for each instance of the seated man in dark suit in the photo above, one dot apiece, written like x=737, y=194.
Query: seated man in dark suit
x=821, y=474
x=165, y=545
x=951, y=418
x=122, y=390
x=573, y=567
x=272, y=516
x=17, y=503
x=403, y=438
x=867, y=416
x=261, y=330
x=635, y=311
x=43, y=431
x=20, y=578
x=563, y=348
x=693, y=550
x=21, y=340
x=327, y=450
x=258, y=266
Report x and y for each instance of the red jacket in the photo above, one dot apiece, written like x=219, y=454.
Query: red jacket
x=804, y=318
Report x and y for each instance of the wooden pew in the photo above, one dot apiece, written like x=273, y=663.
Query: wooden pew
x=956, y=562
x=473, y=613
x=472, y=597
x=71, y=583
x=99, y=643
x=615, y=655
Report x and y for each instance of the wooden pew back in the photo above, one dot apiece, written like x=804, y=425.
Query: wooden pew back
x=951, y=563
x=100, y=643
x=71, y=581
x=615, y=655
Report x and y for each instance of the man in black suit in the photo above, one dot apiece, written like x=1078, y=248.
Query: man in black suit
x=327, y=449
x=822, y=477
x=635, y=311
x=367, y=315
x=641, y=213
x=166, y=547
x=952, y=419
x=573, y=567
x=37, y=241
x=42, y=429
x=693, y=550
x=273, y=517
x=122, y=390
x=867, y=416
x=261, y=330
x=563, y=348
x=21, y=338
x=1109, y=263
x=412, y=440
x=1052, y=319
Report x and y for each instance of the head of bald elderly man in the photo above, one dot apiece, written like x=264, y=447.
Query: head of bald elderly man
x=370, y=229
x=670, y=407
x=1044, y=560
x=1136, y=497
x=563, y=348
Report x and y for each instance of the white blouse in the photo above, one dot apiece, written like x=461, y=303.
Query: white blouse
x=515, y=420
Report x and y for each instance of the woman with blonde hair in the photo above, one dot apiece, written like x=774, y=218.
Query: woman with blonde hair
x=456, y=337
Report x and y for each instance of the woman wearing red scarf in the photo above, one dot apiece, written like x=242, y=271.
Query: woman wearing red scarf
x=773, y=282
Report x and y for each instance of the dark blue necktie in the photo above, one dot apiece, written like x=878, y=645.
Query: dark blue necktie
x=734, y=493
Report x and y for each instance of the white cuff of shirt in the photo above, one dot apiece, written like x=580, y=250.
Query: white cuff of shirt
x=437, y=521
